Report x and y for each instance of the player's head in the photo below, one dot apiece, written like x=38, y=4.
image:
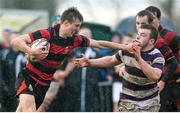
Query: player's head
x=147, y=35
x=143, y=17
x=155, y=11
x=71, y=14
x=156, y=15
x=71, y=21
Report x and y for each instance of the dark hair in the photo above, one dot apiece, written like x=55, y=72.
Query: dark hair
x=156, y=11
x=154, y=32
x=71, y=14
x=146, y=13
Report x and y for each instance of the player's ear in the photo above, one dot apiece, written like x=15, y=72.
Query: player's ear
x=152, y=41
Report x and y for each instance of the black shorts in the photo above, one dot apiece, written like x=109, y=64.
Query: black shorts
x=26, y=85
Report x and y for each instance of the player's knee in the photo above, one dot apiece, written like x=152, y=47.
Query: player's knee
x=29, y=109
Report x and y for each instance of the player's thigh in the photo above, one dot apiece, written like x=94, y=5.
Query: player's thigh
x=27, y=102
x=19, y=109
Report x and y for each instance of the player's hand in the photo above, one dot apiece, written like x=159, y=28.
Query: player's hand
x=136, y=50
x=39, y=52
x=82, y=62
x=129, y=46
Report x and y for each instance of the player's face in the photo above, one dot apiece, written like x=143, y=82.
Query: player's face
x=143, y=37
x=74, y=27
x=156, y=21
x=141, y=20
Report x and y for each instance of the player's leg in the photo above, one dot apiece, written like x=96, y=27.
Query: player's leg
x=27, y=103
x=26, y=96
x=22, y=107
x=19, y=108
x=50, y=95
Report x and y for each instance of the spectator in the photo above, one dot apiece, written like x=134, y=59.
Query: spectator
x=12, y=62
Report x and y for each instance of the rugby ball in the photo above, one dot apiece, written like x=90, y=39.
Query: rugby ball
x=35, y=44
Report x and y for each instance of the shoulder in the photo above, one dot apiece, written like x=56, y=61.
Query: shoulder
x=82, y=40
x=154, y=51
x=167, y=33
x=159, y=42
x=80, y=36
x=45, y=33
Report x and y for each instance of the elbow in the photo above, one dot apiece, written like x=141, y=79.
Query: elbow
x=155, y=77
x=101, y=44
x=14, y=41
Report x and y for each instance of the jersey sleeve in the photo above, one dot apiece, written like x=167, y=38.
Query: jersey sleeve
x=43, y=33
x=83, y=41
x=118, y=56
x=158, y=62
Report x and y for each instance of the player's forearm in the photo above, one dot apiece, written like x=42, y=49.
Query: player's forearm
x=149, y=71
x=102, y=62
x=21, y=45
x=70, y=66
x=112, y=45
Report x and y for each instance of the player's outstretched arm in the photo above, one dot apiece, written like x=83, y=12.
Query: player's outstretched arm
x=112, y=45
x=107, y=61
